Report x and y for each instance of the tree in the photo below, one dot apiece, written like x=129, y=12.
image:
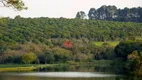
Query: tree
x=102, y=12
x=29, y=57
x=15, y=4
x=123, y=49
x=111, y=12
x=92, y=14
x=67, y=44
x=130, y=52
x=61, y=54
x=49, y=57
x=81, y=15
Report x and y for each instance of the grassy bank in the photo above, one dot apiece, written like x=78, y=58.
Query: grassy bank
x=31, y=67
x=23, y=67
x=17, y=69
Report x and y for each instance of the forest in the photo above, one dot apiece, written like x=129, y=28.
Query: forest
x=62, y=37
x=59, y=40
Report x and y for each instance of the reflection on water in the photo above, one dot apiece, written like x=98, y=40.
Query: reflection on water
x=73, y=68
x=44, y=78
x=67, y=73
x=64, y=74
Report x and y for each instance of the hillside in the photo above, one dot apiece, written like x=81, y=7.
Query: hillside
x=51, y=40
x=39, y=29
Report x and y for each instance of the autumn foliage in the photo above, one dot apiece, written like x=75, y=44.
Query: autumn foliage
x=67, y=44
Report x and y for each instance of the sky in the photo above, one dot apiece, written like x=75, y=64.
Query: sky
x=64, y=8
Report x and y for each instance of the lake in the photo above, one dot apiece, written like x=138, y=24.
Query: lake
x=70, y=72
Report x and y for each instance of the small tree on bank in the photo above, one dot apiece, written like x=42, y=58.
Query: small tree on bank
x=28, y=58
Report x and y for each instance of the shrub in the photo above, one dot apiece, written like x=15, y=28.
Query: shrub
x=28, y=58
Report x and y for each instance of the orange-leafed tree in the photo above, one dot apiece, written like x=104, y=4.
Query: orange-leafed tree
x=67, y=44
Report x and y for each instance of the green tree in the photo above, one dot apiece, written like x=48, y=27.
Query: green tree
x=49, y=57
x=92, y=14
x=81, y=15
x=81, y=57
x=123, y=49
x=61, y=54
x=28, y=57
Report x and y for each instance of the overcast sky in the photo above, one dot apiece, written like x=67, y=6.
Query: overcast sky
x=64, y=8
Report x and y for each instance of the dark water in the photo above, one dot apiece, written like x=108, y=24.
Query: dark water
x=68, y=73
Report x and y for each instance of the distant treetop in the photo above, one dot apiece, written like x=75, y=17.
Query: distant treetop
x=112, y=13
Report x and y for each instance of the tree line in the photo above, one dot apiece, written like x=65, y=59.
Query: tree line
x=112, y=13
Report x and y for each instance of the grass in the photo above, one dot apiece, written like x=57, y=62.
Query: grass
x=31, y=67
x=17, y=69
x=23, y=67
x=112, y=43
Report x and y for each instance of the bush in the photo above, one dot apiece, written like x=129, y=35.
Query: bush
x=29, y=58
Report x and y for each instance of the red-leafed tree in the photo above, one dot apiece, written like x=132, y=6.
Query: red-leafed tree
x=67, y=44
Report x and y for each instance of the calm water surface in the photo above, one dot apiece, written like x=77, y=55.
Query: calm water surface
x=67, y=73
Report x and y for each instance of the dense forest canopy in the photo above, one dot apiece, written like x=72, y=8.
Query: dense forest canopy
x=112, y=13
x=40, y=29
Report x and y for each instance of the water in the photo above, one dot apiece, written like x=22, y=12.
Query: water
x=67, y=73
x=59, y=76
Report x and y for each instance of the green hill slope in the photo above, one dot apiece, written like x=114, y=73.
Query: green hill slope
x=47, y=38
x=40, y=29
